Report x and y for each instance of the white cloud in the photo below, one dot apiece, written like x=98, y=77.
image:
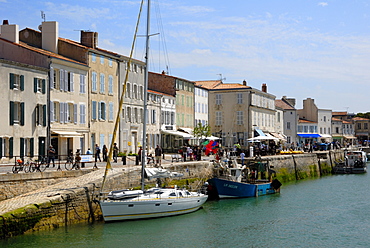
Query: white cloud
x=323, y=4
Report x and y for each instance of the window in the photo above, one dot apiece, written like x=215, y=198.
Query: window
x=365, y=126
x=54, y=77
x=110, y=84
x=102, y=59
x=141, y=93
x=288, y=125
x=16, y=113
x=40, y=115
x=129, y=114
x=135, y=92
x=239, y=117
x=337, y=129
x=101, y=110
x=94, y=86
x=110, y=62
x=16, y=82
x=358, y=125
x=324, y=118
x=218, y=118
x=128, y=90
x=218, y=99
x=102, y=83
x=154, y=120
x=82, y=113
x=39, y=85
x=93, y=57
x=82, y=84
x=240, y=98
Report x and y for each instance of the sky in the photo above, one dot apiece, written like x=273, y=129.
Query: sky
x=299, y=48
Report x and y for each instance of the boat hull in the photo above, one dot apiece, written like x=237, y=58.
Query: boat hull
x=223, y=188
x=150, y=208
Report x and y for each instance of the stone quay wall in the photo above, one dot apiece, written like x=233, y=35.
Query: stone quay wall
x=75, y=200
x=53, y=202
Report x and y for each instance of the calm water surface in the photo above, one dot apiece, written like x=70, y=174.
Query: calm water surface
x=329, y=212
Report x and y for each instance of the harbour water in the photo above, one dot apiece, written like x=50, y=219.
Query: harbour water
x=332, y=211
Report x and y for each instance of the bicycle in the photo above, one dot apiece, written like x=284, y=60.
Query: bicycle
x=70, y=165
x=18, y=166
x=41, y=164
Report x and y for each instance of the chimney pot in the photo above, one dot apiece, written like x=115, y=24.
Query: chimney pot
x=244, y=83
x=264, y=88
x=5, y=22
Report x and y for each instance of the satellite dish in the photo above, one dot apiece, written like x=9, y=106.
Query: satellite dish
x=40, y=27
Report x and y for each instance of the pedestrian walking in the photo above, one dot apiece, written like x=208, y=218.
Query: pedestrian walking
x=115, y=152
x=158, y=154
x=97, y=153
x=242, y=155
x=51, y=155
x=105, y=153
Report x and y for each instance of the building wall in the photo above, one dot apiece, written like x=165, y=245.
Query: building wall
x=131, y=127
x=201, y=105
x=34, y=113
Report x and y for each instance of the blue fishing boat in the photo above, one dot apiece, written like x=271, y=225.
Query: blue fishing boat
x=238, y=181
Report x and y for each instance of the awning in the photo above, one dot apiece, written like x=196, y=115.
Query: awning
x=278, y=135
x=177, y=133
x=309, y=135
x=350, y=137
x=325, y=136
x=68, y=134
x=260, y=132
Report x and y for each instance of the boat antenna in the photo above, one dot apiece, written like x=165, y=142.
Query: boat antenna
x=145, y=95
x=109, y=166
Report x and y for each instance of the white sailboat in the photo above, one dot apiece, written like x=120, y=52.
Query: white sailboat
x=155, y=202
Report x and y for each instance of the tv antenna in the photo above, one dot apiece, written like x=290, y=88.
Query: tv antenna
x=43, y=15
x=221, y=78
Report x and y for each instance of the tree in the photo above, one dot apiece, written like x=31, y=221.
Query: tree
x=363, y=115
x=202, y=131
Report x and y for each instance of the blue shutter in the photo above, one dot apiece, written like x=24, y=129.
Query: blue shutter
x=11, y=80
x=22, y=82
x=43, y=86
x=35, y=85
x=11, y=113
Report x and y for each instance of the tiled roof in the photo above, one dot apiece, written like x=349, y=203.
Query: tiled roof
x=360, y=119
x=219, y=85
x=208, y=84
x=282, y=104
x=159, y=93
x=339, y=113
x=336, y=119
x=305, y=121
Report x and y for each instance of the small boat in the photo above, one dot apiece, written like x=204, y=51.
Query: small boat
x=237, y=182
x=152, y=203
x=354, y=163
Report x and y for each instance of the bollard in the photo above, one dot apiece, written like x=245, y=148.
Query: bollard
x=124, y=160
x=137, y=160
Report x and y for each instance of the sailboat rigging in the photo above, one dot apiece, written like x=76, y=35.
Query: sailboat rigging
x=154, y=202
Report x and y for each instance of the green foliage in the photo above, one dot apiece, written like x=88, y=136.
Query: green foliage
x=202, y=131
x=363, y=115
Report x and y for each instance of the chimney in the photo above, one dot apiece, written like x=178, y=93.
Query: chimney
x=50, y=35
x=290, y=101
x=9, y=32
x=264, y=88
x=163, y=72
x=244, y=83
x=89, y=39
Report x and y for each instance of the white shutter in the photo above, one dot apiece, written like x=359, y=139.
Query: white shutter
x=71, y=83
x=61, y=79
x=66, y=112
x=51, y=79
x=51, y=111
x=75, y=113
x=61, y=112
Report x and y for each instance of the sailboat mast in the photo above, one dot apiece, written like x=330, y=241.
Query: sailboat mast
x=143, y=155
